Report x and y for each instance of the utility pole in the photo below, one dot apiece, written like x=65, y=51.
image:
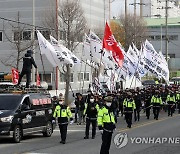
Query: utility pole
x=33, y=31
x=125, y=28
x=166, y=29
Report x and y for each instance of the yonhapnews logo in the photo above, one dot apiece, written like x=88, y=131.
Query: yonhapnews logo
x=121, y=140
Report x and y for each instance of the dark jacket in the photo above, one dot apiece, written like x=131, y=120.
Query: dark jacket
x=28, y=61
x=91, y=111
x=80, y=104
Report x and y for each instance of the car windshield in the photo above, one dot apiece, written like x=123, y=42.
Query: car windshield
x=9, y=102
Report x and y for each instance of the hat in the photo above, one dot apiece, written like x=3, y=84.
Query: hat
x=29, y=52
x=108, y=99
x=129, y=93
x=61, y=97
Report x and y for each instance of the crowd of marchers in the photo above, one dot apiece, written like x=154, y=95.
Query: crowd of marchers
x=102, y=110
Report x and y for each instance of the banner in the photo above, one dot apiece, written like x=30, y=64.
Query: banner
x=15, y=75
x=154, y=62
x=55, y=57
x=65, y=52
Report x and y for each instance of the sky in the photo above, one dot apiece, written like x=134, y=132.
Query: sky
x=117, y=7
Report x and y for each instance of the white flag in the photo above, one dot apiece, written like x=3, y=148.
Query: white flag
x=55, y=57
x=67, y=54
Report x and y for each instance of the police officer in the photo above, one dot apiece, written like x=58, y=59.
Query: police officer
x=91, y=110
x=106, y=124
x=171, y=100
x=28, y=61
x=63, y=113
x=129, y=106
x=178, y=101
x=156, y=101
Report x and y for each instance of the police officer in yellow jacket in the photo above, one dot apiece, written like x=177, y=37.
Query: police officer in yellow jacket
x=156, y=101
x=63, y=113
x=129, y=106
x=178, y=101
x=171, y=100
x=106, y=124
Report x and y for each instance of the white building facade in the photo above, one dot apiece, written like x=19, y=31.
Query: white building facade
x=96, y=13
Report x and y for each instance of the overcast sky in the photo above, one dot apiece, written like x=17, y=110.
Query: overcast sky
x=117, y=7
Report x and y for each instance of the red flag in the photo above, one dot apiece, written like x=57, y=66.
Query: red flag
x=38, y=82
x=109, y=43
x=15, y=75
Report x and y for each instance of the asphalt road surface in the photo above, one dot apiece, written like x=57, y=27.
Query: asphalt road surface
x=165, y=127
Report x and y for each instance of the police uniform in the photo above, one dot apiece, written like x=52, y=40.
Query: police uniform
x=178, y=101
x=129, y=106
x=91, y=110
x=28, y=61
x=106, y=122
x=156, y=101
x=63, y=113
x=171, y=100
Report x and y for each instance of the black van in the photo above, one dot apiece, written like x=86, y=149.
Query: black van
x=25, y=113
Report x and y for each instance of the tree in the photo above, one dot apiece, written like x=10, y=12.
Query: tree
x=133, y=29
x=71, y=25
x=20, y=42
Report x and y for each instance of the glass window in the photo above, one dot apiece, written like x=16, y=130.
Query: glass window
x=86, y=76
x=71, y=78
x=46, y=34
x=17, y=36
x=1, y=35
x=62, y=77
x=158, y=37
x=27, y=35
x=80, y=77
x=173, y=37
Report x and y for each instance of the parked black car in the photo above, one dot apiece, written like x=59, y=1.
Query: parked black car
x=25, y=113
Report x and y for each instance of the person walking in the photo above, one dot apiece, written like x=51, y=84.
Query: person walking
x=171, y=100
x=28, y=61
x=90, y=111
x=156, y=101
x=63, y=114
x=178, y=101
x=129, y=106
x=106, y=124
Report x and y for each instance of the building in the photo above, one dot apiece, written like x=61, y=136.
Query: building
x=152, y=8
x=156, y=29
x=95, y=11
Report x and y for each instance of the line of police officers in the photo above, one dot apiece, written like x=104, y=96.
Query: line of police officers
x=103, y=110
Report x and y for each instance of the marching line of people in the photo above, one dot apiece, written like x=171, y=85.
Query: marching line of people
x=102, y=111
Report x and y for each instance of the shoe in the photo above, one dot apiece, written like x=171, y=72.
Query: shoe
x=156, y=118
x=86, y=137
x=63, y=142
x=93, y=137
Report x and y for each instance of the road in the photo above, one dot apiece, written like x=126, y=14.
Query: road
x=164, y=127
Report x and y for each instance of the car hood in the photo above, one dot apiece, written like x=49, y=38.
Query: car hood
x=5, y=113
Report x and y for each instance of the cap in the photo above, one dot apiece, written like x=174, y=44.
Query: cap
x=108, y=99
x=129, y=93
x=29, y=52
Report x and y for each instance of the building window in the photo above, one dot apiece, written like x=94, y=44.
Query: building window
x=26, y=35
x=71, y=78
x=86, y=76
x=1, y=36
x=17, y=35
x=80, y=76
x=46, y=34
x=158, y=37
x=173, y=37
x=62, y=77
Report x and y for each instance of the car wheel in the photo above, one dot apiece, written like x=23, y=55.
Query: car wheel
x=49, y=129
x=17, y=134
